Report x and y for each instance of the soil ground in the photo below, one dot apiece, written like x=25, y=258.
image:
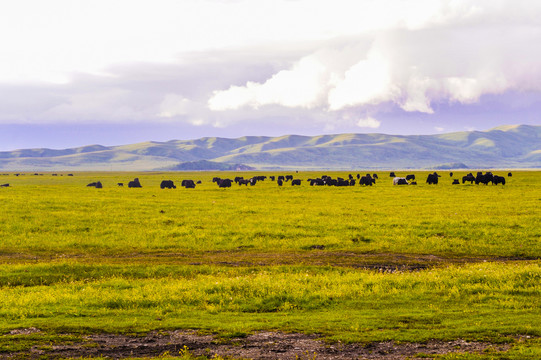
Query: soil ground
x=260, y=345
x=388, y=262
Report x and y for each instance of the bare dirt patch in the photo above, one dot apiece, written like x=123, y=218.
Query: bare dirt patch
x=260, y=345
x=386, y=262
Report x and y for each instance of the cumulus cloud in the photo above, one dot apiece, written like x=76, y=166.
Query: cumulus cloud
x=368, y=122
x=367, y=82
x=302, y=86
x=452, y=52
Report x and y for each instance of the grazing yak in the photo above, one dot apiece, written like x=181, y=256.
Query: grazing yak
x=97, y=185
x=484, y=178
x=120, y=184
x=289, y=177
x=4, y=185
x=451, y=174
x=318, y=182
x=295, y=182
x=469, y=178
x=252, y=181
x=272, y=178
x=375, y=176
x=188, y=184
x=432, y=179
x=366, y=180
x=280, y=182
x=410, y=177
x=455, y=182
x=509, y=175
x=282, y=177
x=330, y=181
x=243, y=181
x=392, y=174
x=167, y=184
x=498, y=180
x=225, y=183
x=135, y=183
x=343, y=182
x=400, y=181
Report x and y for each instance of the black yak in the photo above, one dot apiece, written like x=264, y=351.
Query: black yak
x=432, y=179
x=135, y=183
x=167, y=184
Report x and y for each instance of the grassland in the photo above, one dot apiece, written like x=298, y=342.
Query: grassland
x=354, y=265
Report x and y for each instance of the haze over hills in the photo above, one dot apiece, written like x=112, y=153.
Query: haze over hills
x=511, y=146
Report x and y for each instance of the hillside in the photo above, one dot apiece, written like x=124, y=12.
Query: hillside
x=512, y=146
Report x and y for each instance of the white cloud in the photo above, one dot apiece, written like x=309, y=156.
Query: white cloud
x=468, y=90
x=49, y=41
x=451, y=52
x=197, y=121
x=303, y=59
x=368, y=122
x=302, y=86
x=174, y=105
x=417, y=98
x=367, y=82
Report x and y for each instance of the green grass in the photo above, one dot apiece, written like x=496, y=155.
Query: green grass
x=477, y=301
x=46, y=216
x=297, y=259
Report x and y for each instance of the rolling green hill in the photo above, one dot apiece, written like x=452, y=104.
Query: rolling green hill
x=510, y=146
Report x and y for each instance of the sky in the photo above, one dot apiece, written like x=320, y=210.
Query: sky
x=114, y=72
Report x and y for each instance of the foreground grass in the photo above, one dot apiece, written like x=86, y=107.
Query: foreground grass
x=487, y=301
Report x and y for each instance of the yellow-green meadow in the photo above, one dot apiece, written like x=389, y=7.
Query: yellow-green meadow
x=359, y=264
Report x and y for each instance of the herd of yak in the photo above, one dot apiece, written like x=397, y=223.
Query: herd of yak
x=324, y=180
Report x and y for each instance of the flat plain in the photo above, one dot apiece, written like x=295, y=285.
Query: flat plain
x=377, y=272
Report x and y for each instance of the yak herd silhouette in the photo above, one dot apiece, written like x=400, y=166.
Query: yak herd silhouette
x=324, y=180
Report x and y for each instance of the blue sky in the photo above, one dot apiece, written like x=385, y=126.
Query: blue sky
x=113, y=72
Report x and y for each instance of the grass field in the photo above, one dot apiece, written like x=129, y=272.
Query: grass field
x=354, y=265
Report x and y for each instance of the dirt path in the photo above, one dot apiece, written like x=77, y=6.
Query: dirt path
x=261, y=345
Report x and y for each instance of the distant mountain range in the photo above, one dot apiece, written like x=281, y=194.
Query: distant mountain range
x=512, y=146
